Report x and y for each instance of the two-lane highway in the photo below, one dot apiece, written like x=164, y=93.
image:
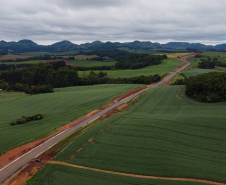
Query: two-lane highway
x=11, y=168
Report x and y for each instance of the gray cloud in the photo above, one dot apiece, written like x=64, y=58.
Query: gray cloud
x=115, y=20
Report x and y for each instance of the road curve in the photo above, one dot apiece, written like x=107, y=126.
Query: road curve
x=14, y=166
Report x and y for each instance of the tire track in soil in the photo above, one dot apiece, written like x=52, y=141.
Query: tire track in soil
x=138, y=176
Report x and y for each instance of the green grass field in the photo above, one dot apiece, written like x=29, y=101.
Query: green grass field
x=163, y=134
x=24, y=62
x=161, y=69
x=193, y=69
x=58, y=175
x=91, y=63
x=220, y=55
x=58, y=108
x=197, y=71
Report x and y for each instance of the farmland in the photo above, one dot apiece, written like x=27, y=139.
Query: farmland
x=196, y=71
x=58, y=108
x=161, y=69
x=24, y=62
x=175, y=55
x=163, y=134
x=91, y=63
x=12, y=57
x=85, y=57
x=220, y=55
x=58, y=174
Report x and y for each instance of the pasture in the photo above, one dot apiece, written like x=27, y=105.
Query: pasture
x=85, y=57
x=220, y=55
x=58, y=108
x=176, y=55
x=59, y=174
x=91, y=63
x=197, y=71
x=161, y=69
x=165, y=133
x=12, y=57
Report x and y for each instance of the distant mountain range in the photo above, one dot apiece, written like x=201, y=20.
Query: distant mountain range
x=136, y=46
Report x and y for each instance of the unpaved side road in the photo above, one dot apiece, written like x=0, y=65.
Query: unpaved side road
x=138, y=176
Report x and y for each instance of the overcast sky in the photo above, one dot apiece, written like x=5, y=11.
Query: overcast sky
x=80, y=21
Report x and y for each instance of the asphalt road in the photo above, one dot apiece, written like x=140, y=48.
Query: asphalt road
x=14, y=166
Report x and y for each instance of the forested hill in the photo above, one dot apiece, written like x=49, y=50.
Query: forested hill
x=28, y=46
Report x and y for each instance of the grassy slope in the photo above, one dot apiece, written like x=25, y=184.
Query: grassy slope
x=193, y=69
x=167, y=66
x=163, y=134
x=196, y=71
x=58, y=175
x=90, y=63
x=59, y=108
x=220, y=55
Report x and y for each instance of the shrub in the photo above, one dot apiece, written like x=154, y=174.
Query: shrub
x=25, y=119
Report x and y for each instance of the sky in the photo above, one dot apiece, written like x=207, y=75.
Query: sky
x=80, y=21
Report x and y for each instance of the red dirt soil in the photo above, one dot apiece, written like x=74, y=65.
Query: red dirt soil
x=33, y=167
x=15, y=153
x=127, y=94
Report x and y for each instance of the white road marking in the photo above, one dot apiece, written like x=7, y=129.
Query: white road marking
x=32, y=150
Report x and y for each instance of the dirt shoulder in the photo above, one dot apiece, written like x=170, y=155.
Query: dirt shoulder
x=17, y=152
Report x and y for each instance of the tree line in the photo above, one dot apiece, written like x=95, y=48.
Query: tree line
x=5, y=67
x=42, y=78
x=208, y=87
x=137, y=61
x=207, y=62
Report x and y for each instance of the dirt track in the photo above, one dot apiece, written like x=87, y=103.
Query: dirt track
x=139, y=176
x=115, y=100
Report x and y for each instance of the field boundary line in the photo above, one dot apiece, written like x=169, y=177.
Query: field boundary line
x=138, y=176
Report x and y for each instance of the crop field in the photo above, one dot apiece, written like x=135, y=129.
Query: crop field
x=194, y=62
x=165, y=134
x=12, y=57
x=90, y=63
x=220, y=55
x=197, y=71
x=85, y=57
x=161, y=69
x=175, y=55
x=58, y=108
x=59, y=174
x=220, y=68
x=24, y=62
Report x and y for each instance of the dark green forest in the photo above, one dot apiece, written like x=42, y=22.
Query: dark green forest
x=137, y=61
x=208, y=87
x=42, y=78
x=207, y=62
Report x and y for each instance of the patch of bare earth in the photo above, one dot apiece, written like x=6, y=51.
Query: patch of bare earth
x=13, y=57
x=33, y=167
x=127, y=94
x=139, y=176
